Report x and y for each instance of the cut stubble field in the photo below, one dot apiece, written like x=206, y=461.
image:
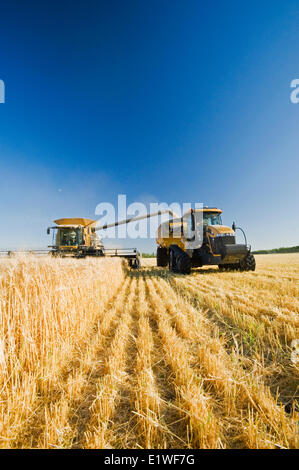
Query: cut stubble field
x=94, y=355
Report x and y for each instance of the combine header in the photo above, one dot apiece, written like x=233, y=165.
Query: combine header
x=9, y=253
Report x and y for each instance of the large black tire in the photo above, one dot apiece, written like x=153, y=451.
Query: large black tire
x=184, y=263
x=248, y=263
x=179, y=261
x=162, y=257
x=172, y=261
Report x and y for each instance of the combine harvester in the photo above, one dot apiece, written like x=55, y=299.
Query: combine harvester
x=77, y=237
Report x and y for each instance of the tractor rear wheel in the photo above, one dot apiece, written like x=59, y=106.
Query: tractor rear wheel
x=179, y=261
x=184, y=263
x=172, y=261
x=162, y=257
x=248, y=263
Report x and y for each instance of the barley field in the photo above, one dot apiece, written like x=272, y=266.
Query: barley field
x=94, y=355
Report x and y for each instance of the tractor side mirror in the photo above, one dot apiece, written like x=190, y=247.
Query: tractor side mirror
x=234, y=226
x=48, y=231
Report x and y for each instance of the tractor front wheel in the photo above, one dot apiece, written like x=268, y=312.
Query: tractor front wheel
x=248, y=263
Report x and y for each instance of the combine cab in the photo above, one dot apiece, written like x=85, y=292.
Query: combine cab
x=77, y=237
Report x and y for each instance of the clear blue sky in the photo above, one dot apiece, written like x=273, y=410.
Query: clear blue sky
x=160, y=100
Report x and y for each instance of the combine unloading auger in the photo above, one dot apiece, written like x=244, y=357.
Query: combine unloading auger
x=77, y=237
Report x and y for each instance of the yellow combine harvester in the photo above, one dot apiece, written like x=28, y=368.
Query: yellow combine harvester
x=210, y=242
x=77, y=237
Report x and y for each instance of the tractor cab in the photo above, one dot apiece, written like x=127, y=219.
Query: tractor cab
x=211, y=218
x=206, y=222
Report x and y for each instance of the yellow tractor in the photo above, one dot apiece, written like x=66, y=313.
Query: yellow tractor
x=197, y=239
x=216, y=244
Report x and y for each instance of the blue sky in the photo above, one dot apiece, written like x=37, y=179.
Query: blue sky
x=161, y=100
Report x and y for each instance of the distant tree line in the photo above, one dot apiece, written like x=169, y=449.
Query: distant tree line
x=288, y=249
x=148, y=255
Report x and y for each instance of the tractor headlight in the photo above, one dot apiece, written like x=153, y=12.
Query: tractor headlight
x=225, y=235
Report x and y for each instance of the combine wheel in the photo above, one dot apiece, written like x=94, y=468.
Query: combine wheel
x=248, y=263
x=134, y=263
x=99, y=253
x=162, y=257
